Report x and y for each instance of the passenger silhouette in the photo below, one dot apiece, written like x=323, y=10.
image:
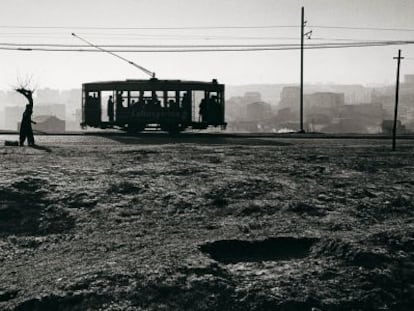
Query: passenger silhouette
x=186, y=104
x=215, y=109
x=111, y=109
x=203, y=110
x=119, y=105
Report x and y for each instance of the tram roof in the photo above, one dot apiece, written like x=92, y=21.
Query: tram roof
x=153, y=85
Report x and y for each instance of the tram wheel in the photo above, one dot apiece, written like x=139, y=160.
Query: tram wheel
x=172, y=128
x=135, y=128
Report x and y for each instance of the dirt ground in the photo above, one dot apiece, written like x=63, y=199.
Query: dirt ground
x=206, y=223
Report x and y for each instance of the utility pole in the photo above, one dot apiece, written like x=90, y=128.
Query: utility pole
x=397, y=88
x=302, y=39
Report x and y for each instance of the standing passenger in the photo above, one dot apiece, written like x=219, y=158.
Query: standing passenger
x=111, y=109
x=203, y=110
x=119, y=106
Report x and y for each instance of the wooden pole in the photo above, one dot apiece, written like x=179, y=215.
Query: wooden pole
x=397, y=87
x=302, y=37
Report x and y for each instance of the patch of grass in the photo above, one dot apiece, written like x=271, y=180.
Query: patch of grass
x=26, y=209
x=123, y=187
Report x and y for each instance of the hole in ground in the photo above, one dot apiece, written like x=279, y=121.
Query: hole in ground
x=271, y=249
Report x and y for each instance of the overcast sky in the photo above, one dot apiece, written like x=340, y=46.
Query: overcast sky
x=70, y=69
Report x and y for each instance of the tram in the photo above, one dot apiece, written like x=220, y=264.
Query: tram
x=167, y=105
x=136, y=105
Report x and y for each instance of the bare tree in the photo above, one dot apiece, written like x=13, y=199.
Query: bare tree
x=26, y=131
x=26, y=89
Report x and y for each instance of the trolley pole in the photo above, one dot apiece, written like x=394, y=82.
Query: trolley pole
x=397, y=87
x=302, y=38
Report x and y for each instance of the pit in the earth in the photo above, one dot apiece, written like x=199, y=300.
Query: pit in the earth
x=271, y=249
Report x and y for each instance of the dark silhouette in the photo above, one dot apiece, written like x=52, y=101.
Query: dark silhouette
x=119, y=105
x=215, y=109
x=158, y=104
x=26, y=130
x=203, y=110
x=186, y=104
x=173, y=105
x=111, y=109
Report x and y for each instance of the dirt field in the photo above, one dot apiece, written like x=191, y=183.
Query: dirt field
x=202, y=223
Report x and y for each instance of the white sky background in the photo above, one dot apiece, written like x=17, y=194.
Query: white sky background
x=69, y=70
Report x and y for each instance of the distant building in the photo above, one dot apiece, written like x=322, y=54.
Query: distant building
x=245, y=109
x=409, y=79
x=258, y=111
x=2, y=119
x=74, y=120
x=345, y=125
x=51, y=109
x=386, y=96
x=290, y=98
x=363, y=118
x=252, y=97
x=47, y=95
x=286, y=114
x=388, y=125
x=12, y=114
x=327, y=100
x=370, y=113
x=234, y=109
x=47, y=124
x=244, y=126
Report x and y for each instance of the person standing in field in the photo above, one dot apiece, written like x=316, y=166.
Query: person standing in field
x=26, y=130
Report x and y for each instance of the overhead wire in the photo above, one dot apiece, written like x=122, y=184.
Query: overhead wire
x=206, y=27
x=150, y=38
x=250, y=38
x=216, y=49
x=362, y=28
x=265, y=46
x=149, y=28
x=200, y=45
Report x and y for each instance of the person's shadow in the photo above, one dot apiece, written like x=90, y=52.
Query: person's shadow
x=41, y=148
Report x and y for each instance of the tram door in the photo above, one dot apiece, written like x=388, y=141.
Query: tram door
x=121, y=107
x=107, y=106
x=197, y=98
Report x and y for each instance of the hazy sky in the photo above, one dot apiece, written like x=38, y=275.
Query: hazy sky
x=71, y=69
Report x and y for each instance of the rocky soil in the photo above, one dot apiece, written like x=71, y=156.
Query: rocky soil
x=203, y=223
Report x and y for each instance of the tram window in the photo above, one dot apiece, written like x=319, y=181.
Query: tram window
x=160, y=97
x=170, y=98
x=125, y=100
x=171, y=95
x=134, y=95
x=147, y=95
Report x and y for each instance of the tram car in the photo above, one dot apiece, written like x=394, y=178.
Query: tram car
x=168, y=105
